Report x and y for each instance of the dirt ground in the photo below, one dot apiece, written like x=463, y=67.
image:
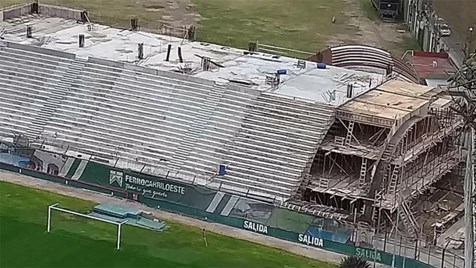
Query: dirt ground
x=213, y=227
x=365, y=28
x=175, y=13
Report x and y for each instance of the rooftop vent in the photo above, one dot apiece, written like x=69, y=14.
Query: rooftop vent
x=29, y=32
x=169, y=48
x=81, y=40
x=205, y=63
x=179, y=52
x=350, y=89
x=140, y=51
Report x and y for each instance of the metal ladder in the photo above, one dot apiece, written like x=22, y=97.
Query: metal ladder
x=323, y=183
x=409, y=221
x=387, y=154
x=378, y=196
x=375, y=214
x=350, y=130
x=363, y=173
x=392, y=188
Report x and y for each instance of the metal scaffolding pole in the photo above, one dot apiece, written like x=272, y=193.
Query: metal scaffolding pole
x=473, y=194
x=463, y=90
x=468, y=201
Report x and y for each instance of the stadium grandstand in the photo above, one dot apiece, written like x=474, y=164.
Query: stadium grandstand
x=360, y=142
x=235, y=110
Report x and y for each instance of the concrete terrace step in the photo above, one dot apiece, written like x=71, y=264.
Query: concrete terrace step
x=197, y=126
x=166, y=120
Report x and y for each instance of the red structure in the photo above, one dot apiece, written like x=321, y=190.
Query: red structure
x=432, y=66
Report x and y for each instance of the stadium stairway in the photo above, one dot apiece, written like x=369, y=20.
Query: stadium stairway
x=35, y=76
x=57, y=94
x=196, y=127
x=278, y=138
x=224, y=123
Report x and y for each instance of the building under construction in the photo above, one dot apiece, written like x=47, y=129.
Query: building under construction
x=360, y=142
x=387, y=149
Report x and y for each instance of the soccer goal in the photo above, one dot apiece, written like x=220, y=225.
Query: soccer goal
x=67, y=211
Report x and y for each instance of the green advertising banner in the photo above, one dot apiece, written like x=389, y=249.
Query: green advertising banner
x=147, y=186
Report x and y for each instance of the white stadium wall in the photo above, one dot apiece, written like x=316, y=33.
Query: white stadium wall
x=60, y=12
x=46, y=51
x=15, y=12
x=46, y=10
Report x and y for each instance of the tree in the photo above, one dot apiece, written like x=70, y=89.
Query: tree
x=354, y=262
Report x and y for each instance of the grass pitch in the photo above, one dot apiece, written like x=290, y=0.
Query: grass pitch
x=298, y=24
x=87, y=243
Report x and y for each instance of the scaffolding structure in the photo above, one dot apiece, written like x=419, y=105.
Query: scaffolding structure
x=463, y=89
x=387, y=148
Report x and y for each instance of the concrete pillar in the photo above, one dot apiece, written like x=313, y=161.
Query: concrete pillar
x=406, y=14
x=430, y=46
x=425, y=38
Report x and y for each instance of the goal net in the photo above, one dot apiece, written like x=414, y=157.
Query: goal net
x=76, y=216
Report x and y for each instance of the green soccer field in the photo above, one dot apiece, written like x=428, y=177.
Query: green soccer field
x=86, y=243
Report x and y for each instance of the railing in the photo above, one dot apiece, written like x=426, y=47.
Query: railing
x=281, y=50
x=420, y=249
x=443, y=166
x=366, y=119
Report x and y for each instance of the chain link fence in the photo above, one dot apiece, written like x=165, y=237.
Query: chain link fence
x=422, y=250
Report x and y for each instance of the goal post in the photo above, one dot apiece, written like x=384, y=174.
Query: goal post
x=67, y=211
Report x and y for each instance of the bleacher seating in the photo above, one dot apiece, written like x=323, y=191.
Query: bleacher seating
x=40, y=79
x=162, y=120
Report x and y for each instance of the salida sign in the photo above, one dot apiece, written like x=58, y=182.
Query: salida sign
x=146, y=187
x=310, y=240
x=369, y=254
x=255, y=227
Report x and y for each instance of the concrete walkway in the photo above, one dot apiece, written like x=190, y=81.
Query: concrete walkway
x=455, y=49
